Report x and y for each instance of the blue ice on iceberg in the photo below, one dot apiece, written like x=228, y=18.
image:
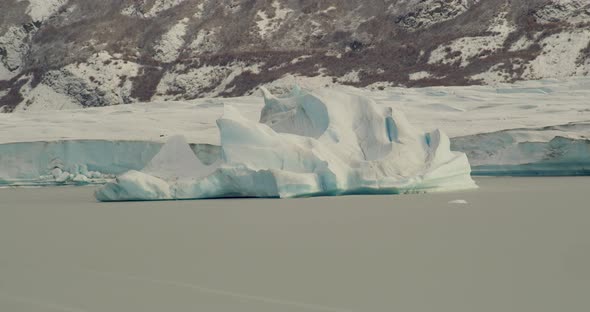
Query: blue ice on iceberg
x=323, y=142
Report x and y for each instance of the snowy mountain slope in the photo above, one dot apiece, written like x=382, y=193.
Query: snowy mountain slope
x=185, y=49
x=416, y=14
x=572, y=11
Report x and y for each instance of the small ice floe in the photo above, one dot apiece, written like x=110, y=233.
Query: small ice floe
x=458, y=202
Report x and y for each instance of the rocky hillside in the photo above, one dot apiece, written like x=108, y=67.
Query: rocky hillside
x=71, y=53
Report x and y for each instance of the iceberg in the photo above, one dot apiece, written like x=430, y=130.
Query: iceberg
x=309, y=143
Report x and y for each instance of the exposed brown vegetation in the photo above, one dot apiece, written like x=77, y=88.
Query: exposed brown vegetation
x=13, y=97
x=145, y=84
x=384, y=45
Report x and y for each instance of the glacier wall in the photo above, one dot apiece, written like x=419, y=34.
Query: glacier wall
x=320, y=142
x=501, y=154
x=80, y=161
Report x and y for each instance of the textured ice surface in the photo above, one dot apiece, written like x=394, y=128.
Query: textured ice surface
x=524, y=152
x=309, y=143
x=81, y=162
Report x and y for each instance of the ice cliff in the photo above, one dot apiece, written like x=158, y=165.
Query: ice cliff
x=308, y=143
x=545, y=151
x=80, y=162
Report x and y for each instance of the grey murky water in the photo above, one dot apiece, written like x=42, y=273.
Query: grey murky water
x=520, y=244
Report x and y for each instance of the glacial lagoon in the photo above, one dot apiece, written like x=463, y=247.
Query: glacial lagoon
x=515, y=244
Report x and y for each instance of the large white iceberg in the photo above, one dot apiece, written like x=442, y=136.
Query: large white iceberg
x=309, y=143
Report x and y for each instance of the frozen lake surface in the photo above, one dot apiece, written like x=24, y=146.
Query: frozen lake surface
x=516, y=244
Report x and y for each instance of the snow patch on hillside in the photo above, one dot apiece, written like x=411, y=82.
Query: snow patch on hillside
x=102, y=80
x=200, y=10
x=44, y=98
x=350, y=77
x=134, y=10
x=109, y=75
x=13, y=48
x=560, y=55
x=208, y=80
x=420, y=75
x=464, y=49
x=328, y=10
x=571, y=11
x=40, y=10
x=139, y=8
x=493, y=76
x=169, y=47
x=299, y=59
x=163, y=5
x=522, y=43
x=6, y=74
x=266, y=24
x=206, y=41
x=425, y=13
x=380, y=85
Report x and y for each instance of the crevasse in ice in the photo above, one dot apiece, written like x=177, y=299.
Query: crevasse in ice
x=323, y=142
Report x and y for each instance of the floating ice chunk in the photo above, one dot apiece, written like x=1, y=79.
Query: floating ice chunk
x=135, y=185
x=63, y=177
x=80, y=178
x=310, y=143
x=56, y=172
x=458, y=202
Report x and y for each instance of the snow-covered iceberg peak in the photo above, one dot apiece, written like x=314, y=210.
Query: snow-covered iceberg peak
x=324, y=142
